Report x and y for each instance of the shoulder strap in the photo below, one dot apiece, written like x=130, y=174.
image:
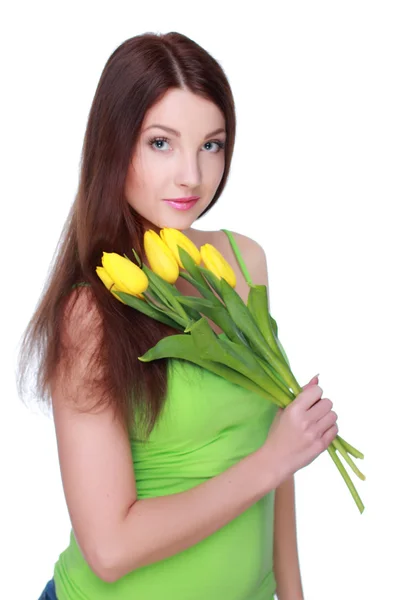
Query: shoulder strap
x=238, y=255
x=79, y=284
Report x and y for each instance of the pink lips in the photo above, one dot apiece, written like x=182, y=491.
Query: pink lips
x=183, y=203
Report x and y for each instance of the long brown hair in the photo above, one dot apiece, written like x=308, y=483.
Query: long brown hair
x=137, y=74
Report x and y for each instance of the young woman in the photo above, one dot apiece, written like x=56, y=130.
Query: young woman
x=179, y=484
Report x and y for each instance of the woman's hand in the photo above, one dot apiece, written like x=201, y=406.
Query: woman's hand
x=301, y=431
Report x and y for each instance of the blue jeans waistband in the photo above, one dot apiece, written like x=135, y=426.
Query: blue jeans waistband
x=49, y=592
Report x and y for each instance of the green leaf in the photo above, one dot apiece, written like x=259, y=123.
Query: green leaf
x=203, y=288
x=218, y=314
x=246, y=323
x=235, y=356
x=196, y=302
x=166, y=290
x=193, y=314
x=171, y=346
x=190, y=265
x=257, y=303
x=173, y=316
x=156, y=298
x=135, y=254
x=191, y=309
x=274, y=376
x=148, y=309
x=212, y=280
x=160, y=294
x=183, y=347
x=274, y=326
x=248, y=365
x=282, y=351
x=196, y=277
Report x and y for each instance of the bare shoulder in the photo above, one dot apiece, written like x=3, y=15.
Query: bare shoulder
x=80, y=339
x=219, y=239
x=251, y=250
x=247, y=245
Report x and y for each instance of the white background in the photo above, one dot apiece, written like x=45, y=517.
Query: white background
x=315, y=180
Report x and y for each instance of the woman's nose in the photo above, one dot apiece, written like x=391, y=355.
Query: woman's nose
x=189, y=172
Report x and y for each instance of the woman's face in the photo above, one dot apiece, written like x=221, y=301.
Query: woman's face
x=167, y=165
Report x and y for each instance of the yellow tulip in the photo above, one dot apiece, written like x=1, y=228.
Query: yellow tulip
x=216, y=263
x=108, y=282
x=160, y=257
x=174, y=238
x=127, y=276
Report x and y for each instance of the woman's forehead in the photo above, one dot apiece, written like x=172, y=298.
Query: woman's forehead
x=181, y=111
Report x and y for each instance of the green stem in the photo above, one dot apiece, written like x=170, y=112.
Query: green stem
x=346, y=478
x=339, y=446
x=350, y=449
x=205, y=291
x=266, y=353
x=165, y=291
x=182, y=322
x=271, y=373
x=156, y=300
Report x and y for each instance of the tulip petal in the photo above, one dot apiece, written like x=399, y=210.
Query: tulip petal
x=108, y=282
x=127, y=276
x=160, y=257
x=175, y=239
x=216, y=262
x=105, y=278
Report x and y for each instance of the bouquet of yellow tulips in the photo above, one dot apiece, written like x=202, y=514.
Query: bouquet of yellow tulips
x=248, y=352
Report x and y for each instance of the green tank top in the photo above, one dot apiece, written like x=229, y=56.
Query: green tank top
x=207, y=425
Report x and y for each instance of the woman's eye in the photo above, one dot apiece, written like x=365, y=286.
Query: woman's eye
x=217, y=145
x=158, y=143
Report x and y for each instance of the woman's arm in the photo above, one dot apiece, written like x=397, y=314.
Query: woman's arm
x=286, y=560
x=115, y=531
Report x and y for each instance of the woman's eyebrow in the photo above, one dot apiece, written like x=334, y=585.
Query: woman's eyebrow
x=177, y=133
